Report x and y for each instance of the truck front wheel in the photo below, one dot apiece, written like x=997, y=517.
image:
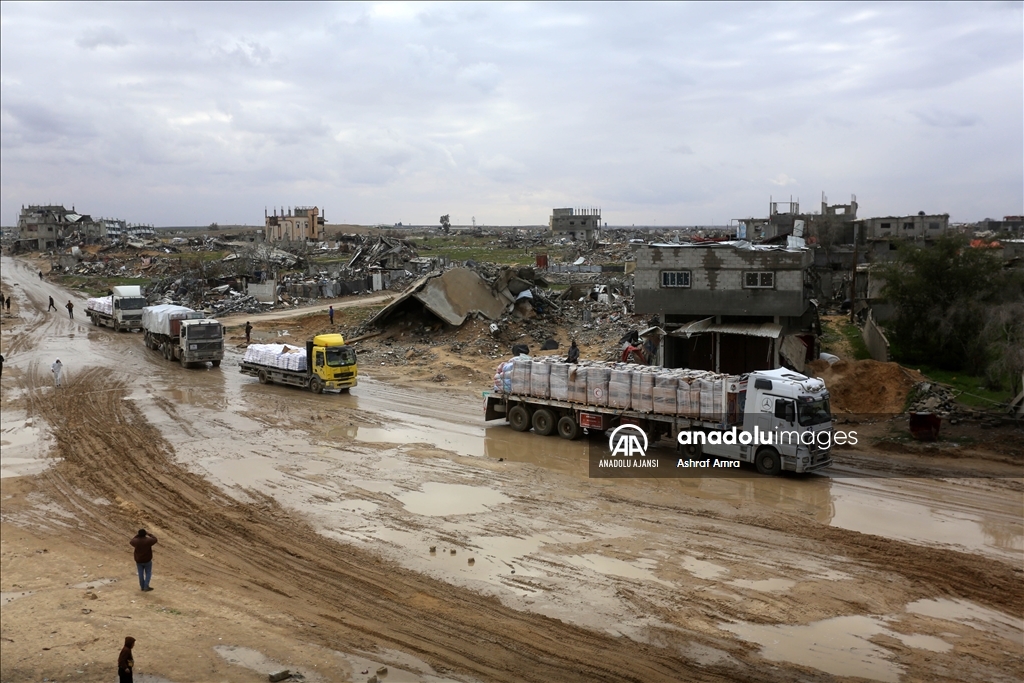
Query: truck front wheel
x=519, y=418
x=316, y=386
x=543, y=422
x=768, y=461
x=567, y=427
x=215, y=363
x=263, y=377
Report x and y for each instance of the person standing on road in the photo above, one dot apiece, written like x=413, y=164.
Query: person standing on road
x=71, y=309
x=52, y=306
x=57, y=368
x=330, y=313
x=40, y=275
x=125, y=661
x=248, y=331
x=7, y=303
x=1, y=366
x=143, y=543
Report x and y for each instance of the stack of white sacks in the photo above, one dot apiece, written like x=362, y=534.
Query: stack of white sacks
x=103, y=304
x=281, y=356
x=695, y=394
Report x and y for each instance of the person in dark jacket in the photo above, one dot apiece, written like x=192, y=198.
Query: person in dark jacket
x=574, y=353
x=143, y=543
x=125, y=662
x=248, y=331
x=71, y=309
x=52, y=306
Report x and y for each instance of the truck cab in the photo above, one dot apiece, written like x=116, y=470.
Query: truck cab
x=201, y=341
x=332, y=362
x=127, y=303
x=795, y=410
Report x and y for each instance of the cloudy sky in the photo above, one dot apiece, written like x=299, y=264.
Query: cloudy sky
x=663, y=114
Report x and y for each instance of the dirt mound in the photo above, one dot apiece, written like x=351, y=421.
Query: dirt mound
x=866, y=386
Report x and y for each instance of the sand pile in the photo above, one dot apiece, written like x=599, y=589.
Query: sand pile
x=866, y=386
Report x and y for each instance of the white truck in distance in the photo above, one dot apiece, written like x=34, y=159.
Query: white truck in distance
x=183, y=334
x=122, y=310
x=787, y=412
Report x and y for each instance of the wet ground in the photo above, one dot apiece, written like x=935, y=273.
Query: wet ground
x=747, y=578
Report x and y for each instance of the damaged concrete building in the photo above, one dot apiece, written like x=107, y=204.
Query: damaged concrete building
x=576, y=224
x=299, y=224
x=729, y=306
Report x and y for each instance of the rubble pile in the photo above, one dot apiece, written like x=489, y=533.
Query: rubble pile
x=929, y=397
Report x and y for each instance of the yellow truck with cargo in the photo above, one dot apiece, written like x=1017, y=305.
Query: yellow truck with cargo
x=326, y=362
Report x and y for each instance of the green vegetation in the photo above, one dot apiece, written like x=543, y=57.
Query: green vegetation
x=957, y=309
x=975, y=390
x=832, y=339
x=97, y=286
x=466, y=247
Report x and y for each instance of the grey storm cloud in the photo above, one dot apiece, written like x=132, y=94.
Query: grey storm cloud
x=658, y=113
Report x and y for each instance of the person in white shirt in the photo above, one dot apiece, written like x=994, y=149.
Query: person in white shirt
x=56, y=368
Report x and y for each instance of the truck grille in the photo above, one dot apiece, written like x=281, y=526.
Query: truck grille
x=343, y=375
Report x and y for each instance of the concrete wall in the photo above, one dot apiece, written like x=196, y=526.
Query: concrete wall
x=716, y=281
x=893, y=227
x=874, y=338
x=266, y=292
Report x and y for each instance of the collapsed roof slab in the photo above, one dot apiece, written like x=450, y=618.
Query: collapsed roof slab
x=451, y=297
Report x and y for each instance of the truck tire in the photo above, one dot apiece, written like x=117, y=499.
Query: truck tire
x=117, y=326
x=544, y=422
x=568, y=428
x=215, y=363
x=166, y=348
x=316, y=386
x=768, y=461
x=519, y=418
x=262, y=376
x=184, y=364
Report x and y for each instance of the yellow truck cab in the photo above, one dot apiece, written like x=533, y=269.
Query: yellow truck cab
x=332, y=361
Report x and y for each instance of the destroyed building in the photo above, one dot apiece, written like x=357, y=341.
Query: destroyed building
x=729, y=306
x=299, y=224
x=577, y=224
x=45, y=227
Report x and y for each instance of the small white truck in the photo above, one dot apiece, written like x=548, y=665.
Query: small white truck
x=183, y=334
x=122, y=309
x=776, y=419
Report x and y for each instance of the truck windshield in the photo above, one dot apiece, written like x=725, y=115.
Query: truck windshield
x=340, y=355
x=203, y=332
x=813, y=412
x=132, y=303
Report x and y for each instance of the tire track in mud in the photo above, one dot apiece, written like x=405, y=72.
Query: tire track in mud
x=110, y=450
x=933, y=571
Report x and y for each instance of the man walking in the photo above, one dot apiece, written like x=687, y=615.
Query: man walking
x=71, y=309
x=57, y=368
x=7, y=303
x=143, y=543
x=52, y=306
x=248, y=332
x=40, y=275
x=330, y=313
x=125, y=661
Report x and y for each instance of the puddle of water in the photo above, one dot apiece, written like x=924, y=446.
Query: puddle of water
x=765, y=585
x=23, y=446
x=438, y=500
x=923, y=642
x=255, y=660
x=8, y=597
x=971, y=614
x=446, y=439
x=643, y=570
x=707, y=655
x=703, y=569
x=94, y=584
x=838, y=646
x=415, y=670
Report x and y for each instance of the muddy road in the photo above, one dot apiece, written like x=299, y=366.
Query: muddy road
x=391, y=526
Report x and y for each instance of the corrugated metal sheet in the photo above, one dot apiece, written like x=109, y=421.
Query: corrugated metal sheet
x=769, y=330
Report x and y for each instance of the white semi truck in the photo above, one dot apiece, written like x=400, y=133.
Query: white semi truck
x=183, y=334
x=122, y=310
x=776, y=419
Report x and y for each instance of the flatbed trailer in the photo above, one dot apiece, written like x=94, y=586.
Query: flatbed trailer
x=777, y=405
x=329, y=364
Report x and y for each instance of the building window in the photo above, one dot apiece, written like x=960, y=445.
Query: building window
x=908, y=226
x=675, y=278
x=885, y=226
x=759, y=280
x=933, y=226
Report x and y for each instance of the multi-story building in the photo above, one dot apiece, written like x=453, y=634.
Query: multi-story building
x=728, y=306
x=300, y=224
x=577, y=224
